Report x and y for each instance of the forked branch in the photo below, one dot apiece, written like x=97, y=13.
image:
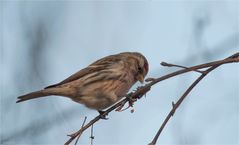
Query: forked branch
x=141, y=91
x=175, y=106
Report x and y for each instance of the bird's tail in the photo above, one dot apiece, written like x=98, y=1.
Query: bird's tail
x=33, y=95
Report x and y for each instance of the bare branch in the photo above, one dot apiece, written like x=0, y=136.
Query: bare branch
x=141, y=91
x=91, y=135
x=81, y=127
x=179, y=66
x=175, y=106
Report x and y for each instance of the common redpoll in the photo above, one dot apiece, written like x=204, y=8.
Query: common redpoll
x=102, y=83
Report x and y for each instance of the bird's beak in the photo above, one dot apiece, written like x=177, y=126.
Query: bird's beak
x=140, y=78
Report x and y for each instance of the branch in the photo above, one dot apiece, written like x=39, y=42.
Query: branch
x=91, y=135
x=141, y=91
x=81, y=127
x=175, y=106
x=179, y=66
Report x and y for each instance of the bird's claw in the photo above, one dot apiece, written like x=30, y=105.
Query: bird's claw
x=131, y=101
x=103, y=114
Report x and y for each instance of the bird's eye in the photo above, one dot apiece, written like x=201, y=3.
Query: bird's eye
x=140, y=70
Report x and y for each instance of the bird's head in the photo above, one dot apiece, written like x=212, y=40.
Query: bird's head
x=139, y=64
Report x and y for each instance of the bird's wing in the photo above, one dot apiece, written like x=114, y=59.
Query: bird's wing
x=99, y=65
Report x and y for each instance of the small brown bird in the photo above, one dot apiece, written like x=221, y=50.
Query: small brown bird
x=102, y=83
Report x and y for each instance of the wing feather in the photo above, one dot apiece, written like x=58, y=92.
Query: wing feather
x=99, y=65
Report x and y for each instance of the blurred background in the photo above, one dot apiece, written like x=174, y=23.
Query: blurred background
x=43, y=42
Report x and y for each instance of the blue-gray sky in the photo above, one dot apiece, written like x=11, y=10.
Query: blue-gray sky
x=43, y=42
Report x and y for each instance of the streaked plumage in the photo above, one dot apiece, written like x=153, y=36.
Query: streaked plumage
x=102, y=83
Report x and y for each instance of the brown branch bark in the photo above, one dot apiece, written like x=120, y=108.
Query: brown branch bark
x=175, y=106
x=141, y=91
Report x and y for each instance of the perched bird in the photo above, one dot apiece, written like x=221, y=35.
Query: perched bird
x=102, y=83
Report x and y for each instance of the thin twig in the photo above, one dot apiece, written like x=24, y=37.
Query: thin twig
x=137, y=94
x=205, y=65
x=141, y=91
x=69, y=141
x=91, y=134
x=179, y=66
x=175, y=106
x=81, y=127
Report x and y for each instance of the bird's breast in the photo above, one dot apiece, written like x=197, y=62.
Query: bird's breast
x=121, y=85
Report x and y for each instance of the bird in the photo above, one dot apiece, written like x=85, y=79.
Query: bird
x=101, y=84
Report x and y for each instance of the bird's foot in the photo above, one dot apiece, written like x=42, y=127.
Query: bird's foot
x=131, y=101
x=103, y=114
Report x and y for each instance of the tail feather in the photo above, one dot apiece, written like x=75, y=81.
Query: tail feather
x=33, y=95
